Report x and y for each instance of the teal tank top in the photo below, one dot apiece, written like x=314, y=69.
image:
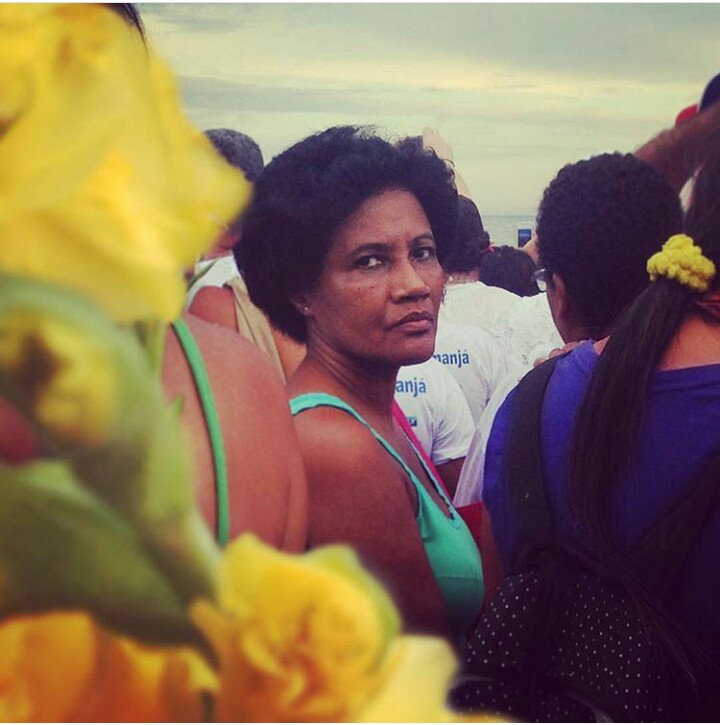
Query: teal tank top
x=449, y=545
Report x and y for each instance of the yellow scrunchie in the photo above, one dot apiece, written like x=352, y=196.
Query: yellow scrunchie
x=682, y=260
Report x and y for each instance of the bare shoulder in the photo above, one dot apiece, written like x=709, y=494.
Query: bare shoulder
x=215, y=304
x=332, y=439
x=238, y=360
x=269, y=489
x=346, y=466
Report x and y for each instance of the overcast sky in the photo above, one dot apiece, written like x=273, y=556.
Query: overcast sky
x=517, y=89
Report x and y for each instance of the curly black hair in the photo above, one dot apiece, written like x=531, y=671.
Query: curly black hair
x=304, y=195
x=510, y=268
x=238, y=149
x=599, y=221
x=472, y=240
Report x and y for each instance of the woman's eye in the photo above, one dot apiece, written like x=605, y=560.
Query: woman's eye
x=368, y=262
x=425, y=253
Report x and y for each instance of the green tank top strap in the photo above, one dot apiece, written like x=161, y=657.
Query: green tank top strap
x=308, y=401
x=212, y=422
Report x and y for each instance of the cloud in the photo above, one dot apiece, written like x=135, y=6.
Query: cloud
x=518, y=89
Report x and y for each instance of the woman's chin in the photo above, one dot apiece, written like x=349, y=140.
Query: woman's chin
x=420, y=354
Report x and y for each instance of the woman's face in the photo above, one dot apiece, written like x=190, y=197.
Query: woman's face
x=378, y=295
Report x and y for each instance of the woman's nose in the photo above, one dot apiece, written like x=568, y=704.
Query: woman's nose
x=408, y=282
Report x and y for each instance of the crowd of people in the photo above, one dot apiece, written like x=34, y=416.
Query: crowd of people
x=349, y=361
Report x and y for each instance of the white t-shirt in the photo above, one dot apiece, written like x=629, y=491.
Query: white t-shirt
x=474, y=358
x=219, y=271
x=475, y=303
x=436, y=409
x=526, y=331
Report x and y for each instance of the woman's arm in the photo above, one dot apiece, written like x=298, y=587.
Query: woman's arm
x=357, y=496
x=678, y=152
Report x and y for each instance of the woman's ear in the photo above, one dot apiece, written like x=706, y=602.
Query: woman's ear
x=564, y=311
x=302, y=304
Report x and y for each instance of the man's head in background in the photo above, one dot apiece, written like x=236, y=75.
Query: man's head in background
x=243, y=153
x=598, y=223
x=471, y=242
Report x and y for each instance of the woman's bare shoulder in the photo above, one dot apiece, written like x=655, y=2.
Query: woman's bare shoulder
x=343, y=457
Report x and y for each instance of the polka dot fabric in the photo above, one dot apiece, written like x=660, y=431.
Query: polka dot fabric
x=560, y=647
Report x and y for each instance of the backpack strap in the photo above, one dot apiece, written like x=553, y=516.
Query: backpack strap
x=522, y=467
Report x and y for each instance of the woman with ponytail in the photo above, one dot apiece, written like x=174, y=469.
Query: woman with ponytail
x=629, y=422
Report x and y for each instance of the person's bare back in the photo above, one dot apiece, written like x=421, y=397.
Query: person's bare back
x=267, y=488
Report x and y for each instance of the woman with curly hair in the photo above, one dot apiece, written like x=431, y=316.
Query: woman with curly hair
x=341, y=249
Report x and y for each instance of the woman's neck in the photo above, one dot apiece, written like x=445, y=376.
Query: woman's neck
x=696, y=343
x=368, y=386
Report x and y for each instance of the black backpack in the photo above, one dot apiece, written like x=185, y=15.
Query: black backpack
x=566, y=641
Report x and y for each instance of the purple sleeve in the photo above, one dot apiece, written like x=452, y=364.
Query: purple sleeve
x=494, y=496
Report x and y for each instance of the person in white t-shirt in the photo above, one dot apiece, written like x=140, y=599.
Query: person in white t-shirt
x=526, y=331
x=474, y=358
x=467, y=300
x=439, y=415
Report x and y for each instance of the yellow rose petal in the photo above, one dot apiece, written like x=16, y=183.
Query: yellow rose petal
x=106, y=186
x=299, y=638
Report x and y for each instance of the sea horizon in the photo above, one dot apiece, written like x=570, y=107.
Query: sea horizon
x=503, y=228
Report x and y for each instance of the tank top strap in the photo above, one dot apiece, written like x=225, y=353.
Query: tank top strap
x=308, y=401
x=212, y=422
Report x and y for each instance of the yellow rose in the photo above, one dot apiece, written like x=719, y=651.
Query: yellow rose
x=62, y=667
x=298, y=638
x=106, y=187
x=66, y=375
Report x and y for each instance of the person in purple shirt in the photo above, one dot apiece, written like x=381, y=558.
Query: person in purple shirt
x=628, y=422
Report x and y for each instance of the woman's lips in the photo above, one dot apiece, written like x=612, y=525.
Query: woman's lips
x=415, y=322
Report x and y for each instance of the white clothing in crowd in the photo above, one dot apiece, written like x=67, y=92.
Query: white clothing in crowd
x=215, y=273
x=526, y=331
x=475, y=303
x=474, y=358
x=470, y=483
x=436, y=409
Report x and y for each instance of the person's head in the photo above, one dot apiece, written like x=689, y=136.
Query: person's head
x=342, y=240
x=239, y=150
x=612, y=412
x=511, y=269
x=471, y=243
x=598, y=222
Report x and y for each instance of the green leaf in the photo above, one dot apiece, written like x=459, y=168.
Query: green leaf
x=60, y=547
x=140, y=468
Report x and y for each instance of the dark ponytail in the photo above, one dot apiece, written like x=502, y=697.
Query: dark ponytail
x=613, y=408
x=612, y=412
